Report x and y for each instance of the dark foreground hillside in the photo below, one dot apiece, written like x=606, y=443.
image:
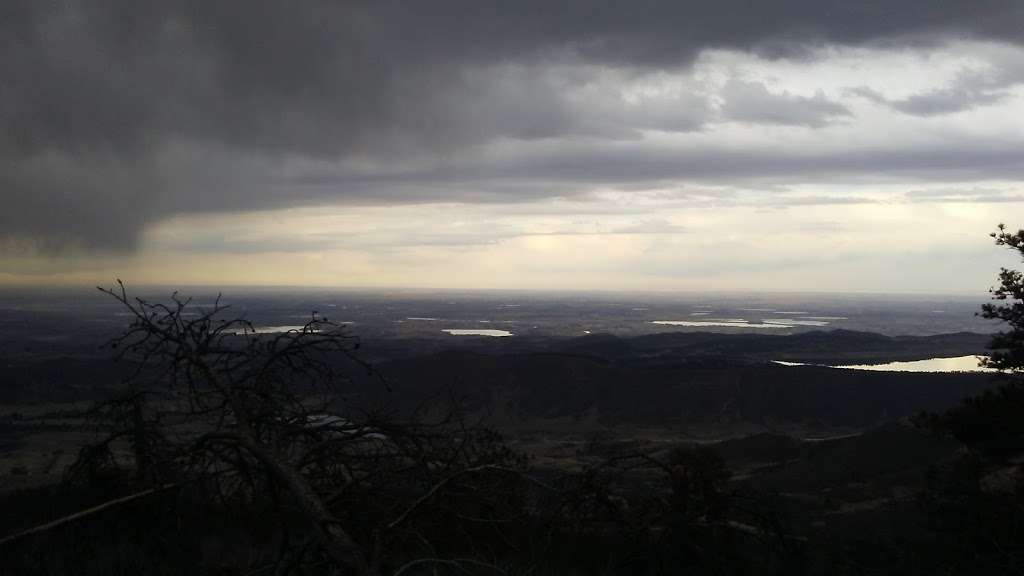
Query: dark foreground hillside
x=701, y=395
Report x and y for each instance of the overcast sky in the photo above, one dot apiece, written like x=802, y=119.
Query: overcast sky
x=729, y=145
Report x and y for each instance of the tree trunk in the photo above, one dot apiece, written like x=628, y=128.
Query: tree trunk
x=342, y=549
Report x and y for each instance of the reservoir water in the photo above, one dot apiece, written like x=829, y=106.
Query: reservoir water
x=476, y=332
x=954, y=364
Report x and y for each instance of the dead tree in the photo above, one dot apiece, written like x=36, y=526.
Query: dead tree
x=215, y=403
x=229, y=402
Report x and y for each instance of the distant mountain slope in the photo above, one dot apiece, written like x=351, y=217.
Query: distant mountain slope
x=684, y=391
x=830, y=346
x=685, y=379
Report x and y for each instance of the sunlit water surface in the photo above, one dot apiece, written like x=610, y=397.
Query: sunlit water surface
x=476, y=332
x=954, y=364
x=717, y=323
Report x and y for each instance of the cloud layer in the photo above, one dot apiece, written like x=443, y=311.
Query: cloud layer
x=117, y=115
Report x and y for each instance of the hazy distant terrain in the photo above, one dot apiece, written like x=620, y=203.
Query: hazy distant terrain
x=575, y=363
x=39, y=322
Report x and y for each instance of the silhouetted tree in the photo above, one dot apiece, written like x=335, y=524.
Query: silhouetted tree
x=232, y=402
x=976, y=502
x=992, y=423
x=239, y=421
x=1008, y=306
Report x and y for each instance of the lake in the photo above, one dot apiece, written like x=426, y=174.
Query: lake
x=476, y=332
x=954, y=364
x=715, y=323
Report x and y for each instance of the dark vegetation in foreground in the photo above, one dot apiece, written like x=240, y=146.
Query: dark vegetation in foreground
x=232, y=452
x=693, y=382
x=426, y=490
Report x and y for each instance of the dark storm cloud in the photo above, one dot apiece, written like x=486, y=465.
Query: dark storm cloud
x=113, y=114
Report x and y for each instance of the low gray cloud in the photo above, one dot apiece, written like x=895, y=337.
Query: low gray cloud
x=653, y=226
x=787, y=201
x=753, y=102
x=579, y=166
x=958, y=98
x=970, y=195
x=116, y=114
x=946, y=101
x=969, y=89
